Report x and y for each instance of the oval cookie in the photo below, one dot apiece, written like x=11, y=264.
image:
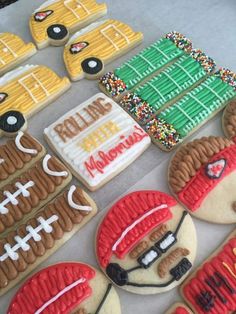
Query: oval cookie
x=229, y=120
x=202, y=176
x=65, y=288
x=146, y=243
x=179, y=308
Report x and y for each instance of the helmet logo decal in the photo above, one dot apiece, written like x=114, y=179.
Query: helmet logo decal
x=215, y=169
x=41, y=16
x=78, y=47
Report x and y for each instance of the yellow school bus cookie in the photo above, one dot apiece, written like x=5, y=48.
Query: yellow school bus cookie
x=99, y=43
x=13, y=50
x=24, y=91
x=52, y=22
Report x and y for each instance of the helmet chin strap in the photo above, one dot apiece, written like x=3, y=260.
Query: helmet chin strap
x=109, y=286
x=120, y=275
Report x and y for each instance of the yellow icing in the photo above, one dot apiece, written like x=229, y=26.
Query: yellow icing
x=99, y=136
x=69, y=15
x=30, y=90
x=104, y=42
x=13, y=48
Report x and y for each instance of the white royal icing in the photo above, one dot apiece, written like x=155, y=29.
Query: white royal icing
x=2, y=161
x=72, y=203
x=22, y=243
x=149, y=257
x=129, y=228
x=167, y=242
x=21, y=147
x=61, y=293
x=51, y=172
x=15, y=73
x=12, y=198
x=85, y=30
x=75, y=155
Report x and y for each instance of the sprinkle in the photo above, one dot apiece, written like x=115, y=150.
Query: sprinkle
x=163, y=132
x=180, y=41
x=206, y=62
x=227, y=76
x=113, y=84
x=138, y=107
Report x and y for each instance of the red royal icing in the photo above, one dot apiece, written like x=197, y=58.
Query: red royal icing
x=123, y=214
x=105, y=158
x=197, y=189
x=180, y=310
x=197, y=284
x=47, y=283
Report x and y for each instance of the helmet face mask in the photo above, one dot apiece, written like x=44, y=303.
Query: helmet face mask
x=158, y=258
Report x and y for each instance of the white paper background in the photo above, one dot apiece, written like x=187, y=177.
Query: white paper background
x=210, y=24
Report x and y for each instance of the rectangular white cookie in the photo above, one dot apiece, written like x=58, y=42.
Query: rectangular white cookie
x=97, y=140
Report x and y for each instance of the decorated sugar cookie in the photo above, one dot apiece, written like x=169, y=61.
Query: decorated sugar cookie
x=202, y=176
x=144, y=64
x=184, y=74
x=179, y=308
x=24, y=91
x=29, y=192
x=55, y=20
x=91, y=48
x=97, y=140
x=175, y=123
x=229, y=120
x=146, y=243
x=212, y=287
x=18, y=155
x=37, y=238
x=13, y=50
x=79, y=287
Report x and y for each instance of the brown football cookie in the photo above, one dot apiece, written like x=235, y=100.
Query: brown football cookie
x=18, y=155
x=36, y=239
x=20, y=199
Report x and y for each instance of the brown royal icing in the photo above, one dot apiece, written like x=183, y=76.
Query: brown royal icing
x=13, y=158
x=230, y=119
x=44, y=186
x=75, y=124
x=189, y=159
x=67, y=218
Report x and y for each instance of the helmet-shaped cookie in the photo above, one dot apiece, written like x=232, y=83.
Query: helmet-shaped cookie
x=202, y=175
x=146, y=243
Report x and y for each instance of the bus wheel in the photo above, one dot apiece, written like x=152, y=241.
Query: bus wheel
x=57, y=32
x=11, y=122
x=92, y=66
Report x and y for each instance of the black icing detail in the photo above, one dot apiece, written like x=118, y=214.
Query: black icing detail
x=221, y=164
x=140, y=259
x=205, y=300
x=3, y=96
x=104, y=298
x=117, y=274
x=4, y=3
x=57, y=31
x=158, y=244
x=92, y=65
x=181, y=269
x=7, y=127
x=78, y=47
x=42, y=15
